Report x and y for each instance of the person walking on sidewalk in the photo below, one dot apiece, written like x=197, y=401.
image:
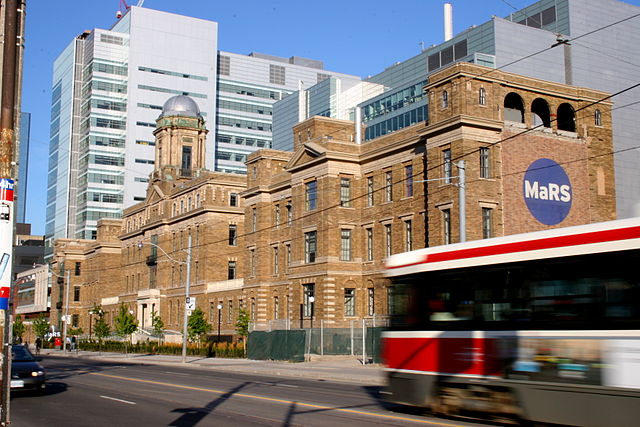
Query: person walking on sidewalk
x=38, y=345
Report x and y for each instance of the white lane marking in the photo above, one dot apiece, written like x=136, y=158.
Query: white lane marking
x=176, y=373
x=118, y=400
x=275, y=384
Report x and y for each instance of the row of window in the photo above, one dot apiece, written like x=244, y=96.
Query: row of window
x=393, y=124
x=394, y=101
x=249, y=91
x=241, y=140
x=173, y=73
x=244, y=124
x=244, y=107
x=484, y=156
x=172, y=91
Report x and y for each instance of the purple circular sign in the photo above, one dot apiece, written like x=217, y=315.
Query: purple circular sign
x=547, y=191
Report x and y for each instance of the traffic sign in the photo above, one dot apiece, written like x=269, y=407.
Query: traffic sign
x=190, y=303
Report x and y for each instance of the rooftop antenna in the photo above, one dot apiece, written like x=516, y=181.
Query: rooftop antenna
x=421, y=44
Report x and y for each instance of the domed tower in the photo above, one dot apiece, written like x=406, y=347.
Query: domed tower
x=180, y=140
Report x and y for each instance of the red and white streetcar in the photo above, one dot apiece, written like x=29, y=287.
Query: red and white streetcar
x=543, y=326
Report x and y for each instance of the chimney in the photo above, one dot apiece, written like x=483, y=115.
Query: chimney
x=448, y=21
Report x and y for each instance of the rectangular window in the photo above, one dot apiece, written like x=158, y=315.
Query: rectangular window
x=345, y=245
x=233, y=235
x=408, y=181
x=77, y=269
x=75, y=320
x=310, y=195
x=76, y=293
x=252, y=261
x=231, y=270
x=446, y=162
x=345, y=192
x=487, y=223
x=276, y=308
x=224, y=65
x=289, y=213
x=391, y=310
x=276, y=260
x=308, y=299
x=371, y=305
x=277, y=215
x=446, y=226
x=485, y=166
x=288, y=254
x=349, y=302
x=233, y=199
x=254, y=219
x=369, y=244
x=310, y=246
x=277, y=74
x=369, y=191
x=387, y=240
x=388, y=187
x=408, y=235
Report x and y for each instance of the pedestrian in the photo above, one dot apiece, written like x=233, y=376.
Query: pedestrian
x=38, y=345
x=73, y=343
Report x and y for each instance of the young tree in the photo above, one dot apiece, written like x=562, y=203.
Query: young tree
x=157, y=324
x=125, y=324
x=41, y=326
x=102, y=330
x=197, y=326
x=18, y=329
x=242, y=326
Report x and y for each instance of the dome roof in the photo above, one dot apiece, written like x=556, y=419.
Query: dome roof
x=180, y=105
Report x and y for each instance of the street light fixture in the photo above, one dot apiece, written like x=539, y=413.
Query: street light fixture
x=219, y=319
x=66, y=306
x=186, y=290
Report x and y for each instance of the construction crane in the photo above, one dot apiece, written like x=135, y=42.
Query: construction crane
x=126, y=7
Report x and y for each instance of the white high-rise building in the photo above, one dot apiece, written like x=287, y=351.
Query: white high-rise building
x=109, y=87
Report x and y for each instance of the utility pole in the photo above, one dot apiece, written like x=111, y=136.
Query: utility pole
x=186, y=296
x=13, y=11
x=462, y=197
x=66, y=310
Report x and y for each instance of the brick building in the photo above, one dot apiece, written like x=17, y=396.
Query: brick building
x=303, y=237
x=322, y=220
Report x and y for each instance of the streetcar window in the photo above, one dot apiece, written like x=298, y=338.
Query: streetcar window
x=590, y=291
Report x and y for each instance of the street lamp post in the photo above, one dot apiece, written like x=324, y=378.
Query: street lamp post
x=312, y=300
x=186, y=290
x=66, y=311
x=219, y=319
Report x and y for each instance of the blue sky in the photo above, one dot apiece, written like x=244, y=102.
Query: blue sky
x=353, y=36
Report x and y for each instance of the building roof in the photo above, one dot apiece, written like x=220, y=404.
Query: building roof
x=181, y=105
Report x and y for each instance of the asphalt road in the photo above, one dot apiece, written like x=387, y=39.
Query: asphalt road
x=85, y=392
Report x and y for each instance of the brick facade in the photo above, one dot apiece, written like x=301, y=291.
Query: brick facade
x=320, y=221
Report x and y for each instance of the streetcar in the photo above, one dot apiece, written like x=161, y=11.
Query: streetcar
x=542, y=326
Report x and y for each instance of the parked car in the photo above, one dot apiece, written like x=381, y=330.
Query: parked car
x=26, y=372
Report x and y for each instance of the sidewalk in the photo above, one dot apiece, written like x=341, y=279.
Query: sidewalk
x=328, y=368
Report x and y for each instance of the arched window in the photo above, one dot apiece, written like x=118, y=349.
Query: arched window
x=540, y=113
x=597, y=118
x=445, y=99
x=482, y=96
x=174, y=210
x=566, y=118
x=513, y=108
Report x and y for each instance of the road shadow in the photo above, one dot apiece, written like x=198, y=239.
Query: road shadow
x=50, y=389
x=192, y=416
